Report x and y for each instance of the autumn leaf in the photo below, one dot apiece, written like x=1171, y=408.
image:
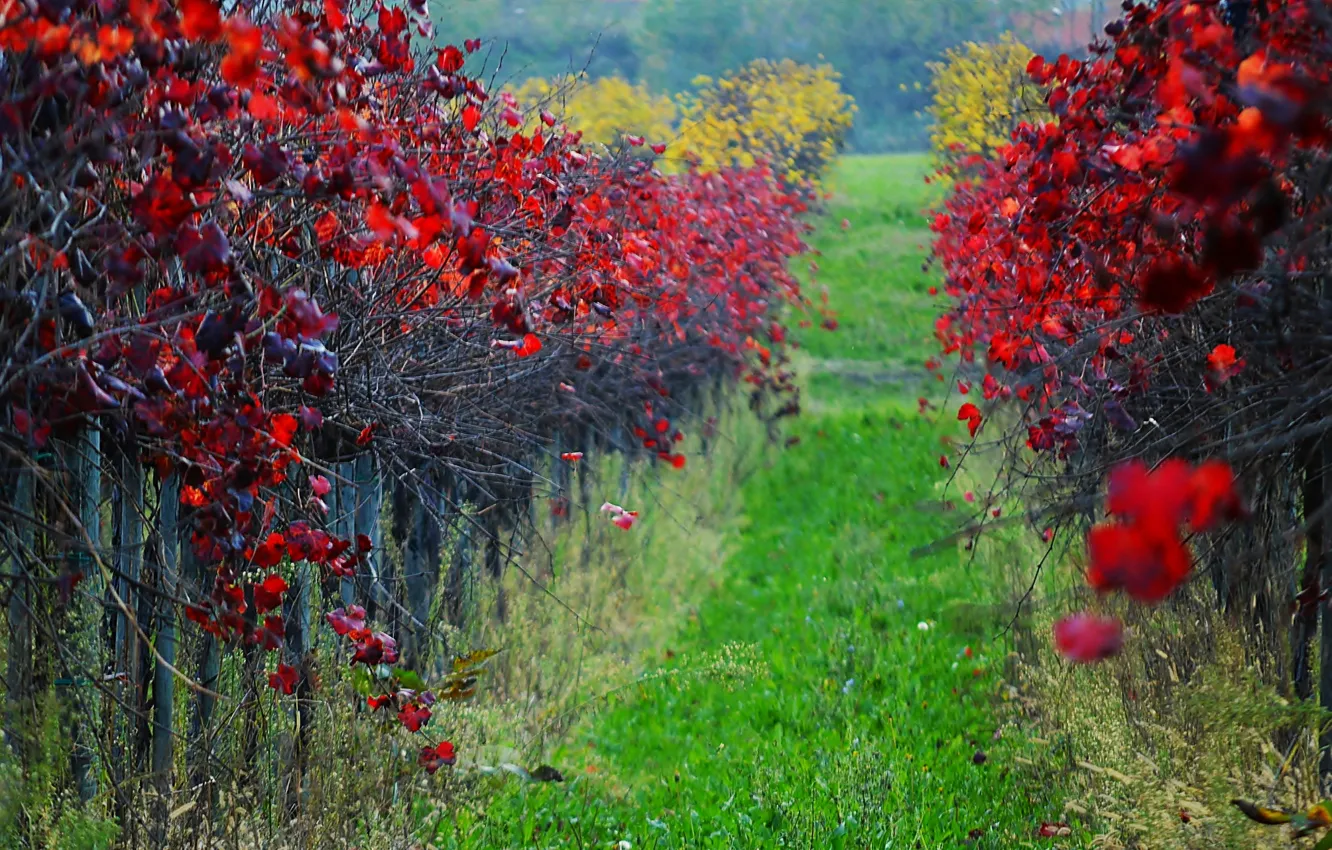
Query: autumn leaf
x=284, y=680
x=200, y=20
x=471, y=117
x=333, y=13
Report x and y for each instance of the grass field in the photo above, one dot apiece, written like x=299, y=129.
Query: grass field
x=828, y=690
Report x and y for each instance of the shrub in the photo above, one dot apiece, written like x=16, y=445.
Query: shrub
x=252, y=246
x=981, y=92
x=796, y=117
x=603, y=110
x=1138, y=273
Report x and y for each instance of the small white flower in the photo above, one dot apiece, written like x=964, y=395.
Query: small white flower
x=923, y=626
x=624, y=845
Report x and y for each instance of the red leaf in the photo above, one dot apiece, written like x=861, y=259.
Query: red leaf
x=263, y=107
x=450, y=60
x=320, y=485
x=1146, y=563
x=1171, y=286
x=345, y=621
x=971, y=414
x=381, y=222
x=530, y=345
x=266, y=163
x=285, y=679
x=161, y=206
x=200, y=20
x=337, y=19
x=471, y=117
x=367, y=434
x=1221, y=361
x=205, y=250
x=283, y=429
x=377, y=648
x=378, y=702
x=240, y=67
x=268, y=593
x=625, y=519
x=1214, y=496
x=1085, y=638
x=414, y=716
x=311, y=419
x=37, y=435
x=271, y=634
x=433, y=758
x=1159, y=496
x=268, y=554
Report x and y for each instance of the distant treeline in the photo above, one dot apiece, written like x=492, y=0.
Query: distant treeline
x=880, y=46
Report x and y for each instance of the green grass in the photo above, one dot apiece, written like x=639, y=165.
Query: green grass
x=822, y=695
x=872, y=268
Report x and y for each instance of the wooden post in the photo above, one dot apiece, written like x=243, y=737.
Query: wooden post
x=455, y=584
x=344, y=520
x=420, y=567
x=296, y=615
x=1307, y=604
x=86, y=485
x=129, y=570
x=208, y=667
x=558, y=481
x=18, y=673
x=368, y=500
x=164, y=681
x=1325, y=636
x=586, y=444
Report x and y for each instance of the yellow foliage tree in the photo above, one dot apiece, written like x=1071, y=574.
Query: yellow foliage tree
x=981, y=92
x=794, y=116
x=604, y=110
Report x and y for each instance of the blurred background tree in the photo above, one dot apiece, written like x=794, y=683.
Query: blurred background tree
x=796, y=117
x=980, y=93
x=604, y=110
x=882, y=48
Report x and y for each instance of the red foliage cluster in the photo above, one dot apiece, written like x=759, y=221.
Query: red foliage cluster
x=1086, y=638
x=209, y=217
x=1115, y=269
x=1164, y=168
x=1142, y=550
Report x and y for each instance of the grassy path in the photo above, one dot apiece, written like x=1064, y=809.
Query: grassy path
x=831, y=691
